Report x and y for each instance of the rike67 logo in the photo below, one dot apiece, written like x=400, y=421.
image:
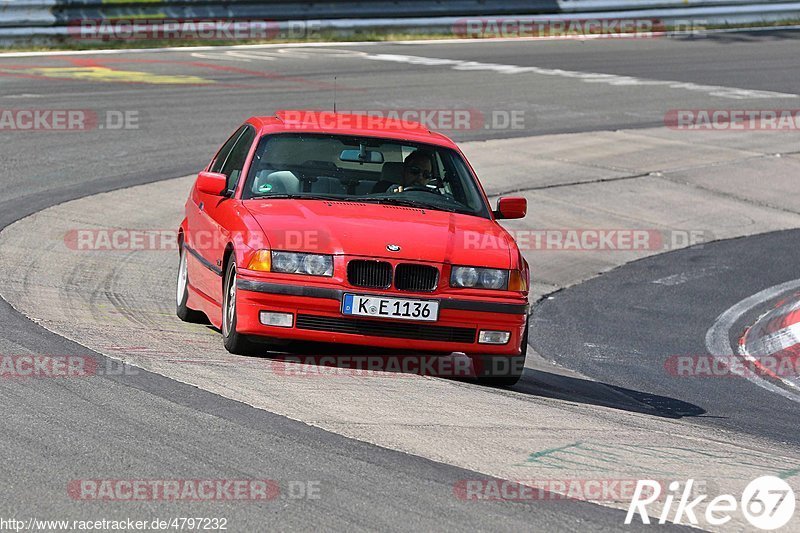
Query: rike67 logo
x=767, y=503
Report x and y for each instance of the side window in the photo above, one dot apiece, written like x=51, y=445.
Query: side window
x=223, y=153
x=235, y=162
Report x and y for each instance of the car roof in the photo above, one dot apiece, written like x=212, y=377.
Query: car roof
x=348, y=124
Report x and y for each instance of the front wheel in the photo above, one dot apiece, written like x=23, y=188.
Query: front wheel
x=235, y=342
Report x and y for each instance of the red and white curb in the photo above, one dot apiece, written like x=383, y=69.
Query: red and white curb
x=773, y=342
x=718, y=340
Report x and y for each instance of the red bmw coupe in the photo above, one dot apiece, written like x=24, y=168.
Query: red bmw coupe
x=351, y=229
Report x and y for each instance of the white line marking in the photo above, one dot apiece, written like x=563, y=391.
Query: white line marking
x=23, y=95
x=455, y=64
x=718, y=336
x=263, y=56
x=683, y=277
x=587, y=77
x=218, y=56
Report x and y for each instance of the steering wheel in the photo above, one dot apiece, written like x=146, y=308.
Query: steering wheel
x=421, y=188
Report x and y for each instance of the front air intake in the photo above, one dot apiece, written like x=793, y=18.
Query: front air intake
x=369, y=274
x=416, y=278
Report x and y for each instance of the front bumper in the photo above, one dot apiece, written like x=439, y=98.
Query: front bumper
x=318, y=318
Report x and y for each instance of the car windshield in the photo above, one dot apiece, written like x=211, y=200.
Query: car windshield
x=366, y=169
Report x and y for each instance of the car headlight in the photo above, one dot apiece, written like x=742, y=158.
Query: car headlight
x=479, y=278
x=298, y=263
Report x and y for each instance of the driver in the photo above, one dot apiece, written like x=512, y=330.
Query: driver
x=417, y=172
x=417, y=169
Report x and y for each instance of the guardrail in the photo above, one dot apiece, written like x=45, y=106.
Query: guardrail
x=27, y=13
x=33, y=20
x=299, y=10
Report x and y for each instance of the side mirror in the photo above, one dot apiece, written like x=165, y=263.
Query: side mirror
x=212, y=183
x=511, y=207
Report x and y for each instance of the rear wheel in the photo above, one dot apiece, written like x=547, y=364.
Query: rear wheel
x=235, y=342
x=182, y=294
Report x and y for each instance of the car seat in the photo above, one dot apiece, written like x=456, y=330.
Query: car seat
x=391, y=174
x=270, y=181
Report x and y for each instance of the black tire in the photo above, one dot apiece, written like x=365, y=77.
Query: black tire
x=234, y=342
x=502, y=371
x=182, y=295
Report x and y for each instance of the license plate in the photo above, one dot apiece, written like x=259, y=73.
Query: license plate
x=402, y=308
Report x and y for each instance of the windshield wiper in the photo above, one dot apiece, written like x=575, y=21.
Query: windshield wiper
x=283, y=196
x=385, y=201
x=418, y=205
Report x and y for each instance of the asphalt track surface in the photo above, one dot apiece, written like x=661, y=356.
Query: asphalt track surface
x=148, y=426
x=622, y=327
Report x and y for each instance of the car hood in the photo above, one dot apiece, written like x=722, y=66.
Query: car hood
x=367, y=229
